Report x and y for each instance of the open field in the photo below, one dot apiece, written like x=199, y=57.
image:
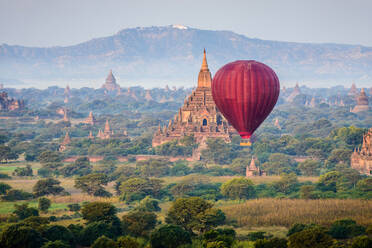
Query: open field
x=286, y=212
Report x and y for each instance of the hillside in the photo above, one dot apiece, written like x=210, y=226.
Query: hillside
x=174, y=53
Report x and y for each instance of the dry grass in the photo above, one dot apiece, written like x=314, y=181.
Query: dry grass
x=222, y=179
x=286, y=212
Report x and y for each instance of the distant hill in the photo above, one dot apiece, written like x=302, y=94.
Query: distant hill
x=174, y=53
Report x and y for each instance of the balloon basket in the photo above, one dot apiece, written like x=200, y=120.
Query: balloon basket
x=245, y=143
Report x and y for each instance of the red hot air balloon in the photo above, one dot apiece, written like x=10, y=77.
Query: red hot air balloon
x=245, y=91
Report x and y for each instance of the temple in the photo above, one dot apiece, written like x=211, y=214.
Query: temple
x=362, y=103
x=198, y=116
x=353, y=92
x=65, y=142
x=296, y=91
x=110, y=83
x=252, y=170
x=10, y=104
x=361, y=159
x=90, y=120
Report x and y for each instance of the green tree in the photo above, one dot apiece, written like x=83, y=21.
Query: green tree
x=92, y=184
x=191, y=213
x=238, y=188
x=80, y=167
x=23, y=171
x=4, y=188
x=138, y=223
x=364, y=185
x=169, y=236
x=50, y=159
x=95, y=230
x=138, y=188
x=149, y=204
x=154, y=167
x=55, y=244
x=310, y=238
x=287, y=183
x=347, y=228
x=308, y=192
x=23, y=211
x=279, y=163
x=309, y=167
x=328, y=181
x=219, y=238
x=104, y=242
x=17, y=195
x=20, y=236
x=127, y=242
x=58, y=232
x=99, y=211
x=362, y=242
x=7, y=154
x=218, y=151
x=74, y=207
x=48, y=186
x=271, y=243
x=44, y=204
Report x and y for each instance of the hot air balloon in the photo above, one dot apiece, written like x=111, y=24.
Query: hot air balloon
x=245, y=91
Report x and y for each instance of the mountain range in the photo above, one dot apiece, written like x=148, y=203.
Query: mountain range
x=174, y=54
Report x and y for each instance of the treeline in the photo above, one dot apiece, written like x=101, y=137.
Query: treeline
x=189, y=223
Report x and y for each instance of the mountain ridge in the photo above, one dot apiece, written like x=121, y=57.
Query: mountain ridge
x=174, y=53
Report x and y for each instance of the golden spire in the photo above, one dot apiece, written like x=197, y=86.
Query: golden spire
x=205, y=77
x=204, y=63
x=107, y=127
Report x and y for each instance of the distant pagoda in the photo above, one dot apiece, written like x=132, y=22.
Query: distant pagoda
x=65, y=142
x=90, y=119
x=353, y=92
x=361, y=159
x=296, y=91
x=362, y=103
x=252, y=170
x=66, y=118
x=198, y=116
x=10, y=104
x=110, y=84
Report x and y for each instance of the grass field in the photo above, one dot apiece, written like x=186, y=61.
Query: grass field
x=286, y=212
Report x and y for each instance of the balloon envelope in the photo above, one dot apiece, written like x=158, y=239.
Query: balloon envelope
x=245, y=91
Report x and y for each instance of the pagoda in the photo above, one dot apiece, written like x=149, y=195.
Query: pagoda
x=66, y=118
x=353, y=92
x=361, y=159
x=362, y=103
x=65, y=142
x=296, y=91
x=110, y=84
x=253, y=170
x=198, y=116
x=90, y=119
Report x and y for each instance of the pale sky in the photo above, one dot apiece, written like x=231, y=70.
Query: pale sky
x=68, y=22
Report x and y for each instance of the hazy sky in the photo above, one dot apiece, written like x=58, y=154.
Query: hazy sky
x=67, y=22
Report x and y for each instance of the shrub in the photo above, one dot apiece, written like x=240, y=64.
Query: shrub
x=169, y=236
x=271, y=243
x=104, y=242
x=23, y=171
x=4, y=188
x=347, y=228
x=94, y=230
x=139, y=223
x=17, y=195
x=57, y=232
x=19, y=235
x=23, y=211
x=310, y=238
x=99, y=211
x=44, y=204
x=238, y=188
x=74, y=207
x=55, y=244
x=362, y=242
x=127, y=242
x=4, y=176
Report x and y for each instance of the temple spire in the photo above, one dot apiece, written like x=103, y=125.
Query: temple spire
x=205, y=77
